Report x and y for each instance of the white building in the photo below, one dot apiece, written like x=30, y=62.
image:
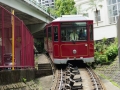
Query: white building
x=107, y=17
x=48, y=3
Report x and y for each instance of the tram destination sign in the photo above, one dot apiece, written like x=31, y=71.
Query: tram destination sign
x=74, y=23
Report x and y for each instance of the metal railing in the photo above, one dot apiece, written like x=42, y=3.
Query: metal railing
x=23, y=42
x=39, y=6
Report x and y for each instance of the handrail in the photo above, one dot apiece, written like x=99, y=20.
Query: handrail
x=44, y=8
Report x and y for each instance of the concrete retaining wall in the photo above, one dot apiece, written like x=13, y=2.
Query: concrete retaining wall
x=14, y=76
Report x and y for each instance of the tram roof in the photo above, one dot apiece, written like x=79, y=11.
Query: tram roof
x=71, y=18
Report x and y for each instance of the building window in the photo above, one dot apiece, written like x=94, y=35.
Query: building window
x=52, y=4
x=114, y=10
x=47, y=4
x=113, y=1
x=97, y=17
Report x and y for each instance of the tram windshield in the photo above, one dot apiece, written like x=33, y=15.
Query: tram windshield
x=73, y=31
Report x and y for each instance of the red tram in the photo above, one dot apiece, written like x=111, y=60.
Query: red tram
x=70, y=37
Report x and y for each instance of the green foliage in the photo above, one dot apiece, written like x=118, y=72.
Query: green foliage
x=51, y=11
x=101, y=46
x=39, y=44
x=24, y=80
x=65, y=7
x=105, y=52
x=103, y=59
x=99, y=58
x=112, y=51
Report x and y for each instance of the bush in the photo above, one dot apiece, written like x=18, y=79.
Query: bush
x=105, y=52
x=100, y=59
x=103, y=59
x=112, y=52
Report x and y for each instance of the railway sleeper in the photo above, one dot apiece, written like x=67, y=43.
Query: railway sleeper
x=75, y=72
x=70, y=65
x=73, y=69
x=72, y=76
x=77, y=78
x=99, y=88
x=67, y=86
x=72, y=86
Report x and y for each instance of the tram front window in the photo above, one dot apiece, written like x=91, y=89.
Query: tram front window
x=73, y=32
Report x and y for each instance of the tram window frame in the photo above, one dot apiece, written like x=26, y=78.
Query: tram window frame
x=55, y=34
x=91, y=32
x=66, y=31
x=50, y=33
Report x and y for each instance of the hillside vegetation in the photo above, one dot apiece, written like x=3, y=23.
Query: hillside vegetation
x=106, y=61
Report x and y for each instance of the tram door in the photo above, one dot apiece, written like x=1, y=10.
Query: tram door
x=91, y=41
x=56, y=40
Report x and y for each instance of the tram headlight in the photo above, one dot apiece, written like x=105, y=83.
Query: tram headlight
x=74, y=51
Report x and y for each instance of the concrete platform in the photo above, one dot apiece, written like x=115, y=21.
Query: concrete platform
x=42, y=59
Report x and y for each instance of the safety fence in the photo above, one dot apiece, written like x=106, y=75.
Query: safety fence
x=23, y=42
x=39, y=6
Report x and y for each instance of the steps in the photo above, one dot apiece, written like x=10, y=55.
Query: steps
x=44, y=70
x=45, y=66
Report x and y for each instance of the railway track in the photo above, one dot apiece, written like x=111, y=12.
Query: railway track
x=73, y=78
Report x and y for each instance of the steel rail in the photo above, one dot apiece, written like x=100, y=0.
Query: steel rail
x=102, y=85
x=96, y=86
x=61, y=81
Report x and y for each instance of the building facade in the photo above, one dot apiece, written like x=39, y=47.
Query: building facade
x=107, y=17
x=47, y=3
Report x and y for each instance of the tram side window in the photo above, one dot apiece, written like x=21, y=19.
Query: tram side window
x=91, y=32
x=55, y=28
x=49, y=33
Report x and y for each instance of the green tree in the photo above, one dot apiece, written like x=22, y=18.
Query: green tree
x=65, y=7
x=94, y=5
